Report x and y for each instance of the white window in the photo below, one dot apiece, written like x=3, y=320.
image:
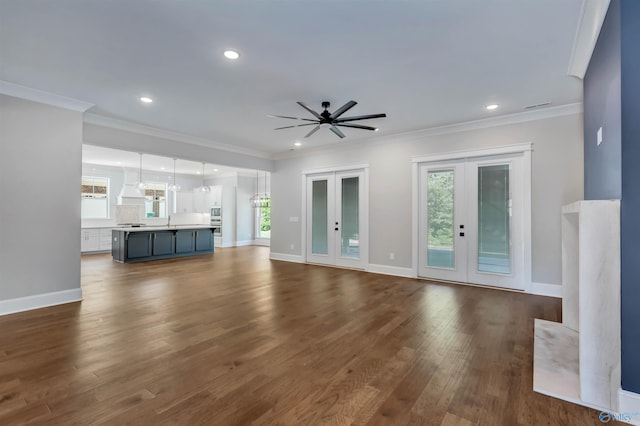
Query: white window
x=155, y=200
x=94, y=193
x=263, y=220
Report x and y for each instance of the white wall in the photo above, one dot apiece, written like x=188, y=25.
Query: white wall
x=245, y=222
x=41, y=149
x=557, y=168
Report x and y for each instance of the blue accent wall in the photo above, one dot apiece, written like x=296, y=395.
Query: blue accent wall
x=630, y=205
x=602, y=108
x=612, y=170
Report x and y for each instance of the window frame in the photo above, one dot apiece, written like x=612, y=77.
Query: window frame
x=107, y=196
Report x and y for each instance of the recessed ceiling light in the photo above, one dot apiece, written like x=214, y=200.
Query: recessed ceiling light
x=146, y=99
x=215, y=170
x=376, y=129
x=297, y=143
x=492, y=107
x=161, y=168
x=198, y=172
x=231, y=54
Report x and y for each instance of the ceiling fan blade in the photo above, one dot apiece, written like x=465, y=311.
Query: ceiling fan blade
x=315, y=114
x=315, y=129
x=297, y=125
x=337, y=131
x=360, y=117
x=292, y=118
x=356, y=126
x=344, y=108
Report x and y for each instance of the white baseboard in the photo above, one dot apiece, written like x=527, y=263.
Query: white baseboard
x=28, y=303
x=244, y=243
x=629, y=406
x=286, y=257
x=391, y=270
x=551, y=290
x=262, y=242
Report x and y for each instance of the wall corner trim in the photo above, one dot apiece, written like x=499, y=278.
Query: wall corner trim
x=544, y=289
x=629, y=405
x=27, y=303
x=43, y=97
x=286, y=257
x=392, y=270
x=591, y=19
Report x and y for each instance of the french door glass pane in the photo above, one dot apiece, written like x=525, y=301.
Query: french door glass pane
x=440, y=219
x=319, y=211
x=349, y=238
x=494, y=216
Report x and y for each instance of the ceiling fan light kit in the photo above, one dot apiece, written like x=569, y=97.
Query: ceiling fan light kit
x=331, y=120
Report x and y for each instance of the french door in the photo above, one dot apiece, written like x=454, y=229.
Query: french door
x=335, y=225
x=471, y=221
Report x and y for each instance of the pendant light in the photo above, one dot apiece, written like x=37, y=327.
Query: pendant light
x=174, y=186
x=261, y=199
x=141, y=184
x=203, y=188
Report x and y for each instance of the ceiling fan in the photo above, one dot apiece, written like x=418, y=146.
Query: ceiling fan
x=332, y=120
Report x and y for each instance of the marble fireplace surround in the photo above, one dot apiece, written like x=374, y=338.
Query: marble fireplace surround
x=578, y=360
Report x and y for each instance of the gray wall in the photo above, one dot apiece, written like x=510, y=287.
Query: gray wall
x=603, y=108
x=557, y=180
x=630, y=206
x=136, y=142
x=40, y=208
x=611, y=92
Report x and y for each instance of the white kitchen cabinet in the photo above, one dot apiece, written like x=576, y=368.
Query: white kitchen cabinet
x=215, y=196
x=95, y=239
x=105, y=239
x=90, y=240
x=184, y=202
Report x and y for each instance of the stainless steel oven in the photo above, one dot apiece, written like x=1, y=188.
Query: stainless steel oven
x=216, y=220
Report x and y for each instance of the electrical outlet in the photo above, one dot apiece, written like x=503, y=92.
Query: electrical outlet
x=392, y=256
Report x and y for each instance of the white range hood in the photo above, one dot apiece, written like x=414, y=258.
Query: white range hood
x=130, y=194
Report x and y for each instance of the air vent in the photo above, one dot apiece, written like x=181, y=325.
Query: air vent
x=537, y=105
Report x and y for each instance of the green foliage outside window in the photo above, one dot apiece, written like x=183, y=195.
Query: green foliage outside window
x=440, y=208
x=265, y=218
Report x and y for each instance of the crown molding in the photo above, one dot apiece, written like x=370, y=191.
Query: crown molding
x=520, y=117
x=114, y=123
x=591, y=19
x=35, y=95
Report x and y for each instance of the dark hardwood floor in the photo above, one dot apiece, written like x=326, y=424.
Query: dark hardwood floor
x=234, y=338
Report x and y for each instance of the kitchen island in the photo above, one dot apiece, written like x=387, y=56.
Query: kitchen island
x=139, y=244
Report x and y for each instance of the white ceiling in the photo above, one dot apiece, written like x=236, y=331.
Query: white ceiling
x=425, y=63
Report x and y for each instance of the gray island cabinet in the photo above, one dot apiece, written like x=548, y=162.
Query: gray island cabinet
x=141, y=244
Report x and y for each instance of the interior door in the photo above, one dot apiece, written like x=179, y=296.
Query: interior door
x=336, y=232
x=471, y=221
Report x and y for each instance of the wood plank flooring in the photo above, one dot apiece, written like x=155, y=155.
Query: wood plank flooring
x=234, y=338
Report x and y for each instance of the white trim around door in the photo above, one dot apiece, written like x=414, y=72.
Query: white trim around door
x=335, y=174
x=524, y=185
